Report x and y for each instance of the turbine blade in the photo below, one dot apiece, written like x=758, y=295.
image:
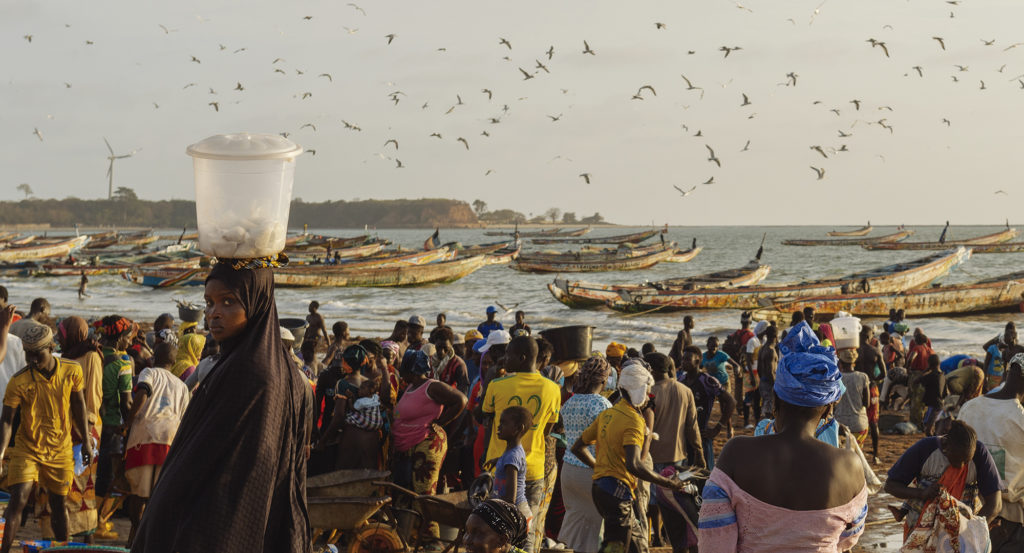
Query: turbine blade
x=108, y=145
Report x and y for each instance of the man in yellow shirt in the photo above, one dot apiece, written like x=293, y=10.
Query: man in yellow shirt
x=525, y=387
x=48, y=393
x=619, y=433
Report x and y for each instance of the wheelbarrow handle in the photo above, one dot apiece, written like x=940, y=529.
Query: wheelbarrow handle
x=396, y=487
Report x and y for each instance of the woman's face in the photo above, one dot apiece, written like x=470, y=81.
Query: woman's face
x=224, y=313
x=480, y=538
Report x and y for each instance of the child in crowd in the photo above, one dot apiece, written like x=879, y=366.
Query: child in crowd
x=510, y=468
x=366, y=413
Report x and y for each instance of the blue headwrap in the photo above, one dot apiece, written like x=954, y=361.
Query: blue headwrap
x=808, y=374
x=416, y=362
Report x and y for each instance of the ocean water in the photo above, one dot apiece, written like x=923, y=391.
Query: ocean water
x=372, y=312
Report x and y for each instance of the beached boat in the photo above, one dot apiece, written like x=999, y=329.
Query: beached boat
x=21, y=240
x=166, y=278
x=351, y=252
x=583, y=266
x=894, y=237
x=137, y=239
x=585, y=295
x=408, y=275
x=595, y=255
x=318, y=241
x=862, y=231
x=633, y=238
x=682, y=256
x=505, y=256
x=888, y=279
x=479, y=249
x=1005, y=247
x=549, y=233
x=385, y=259
x=999, y=294
x=42, y=251
x=57, y=270
x=988, y=239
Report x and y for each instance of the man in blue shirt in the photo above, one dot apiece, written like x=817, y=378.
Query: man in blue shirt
x=490, y=324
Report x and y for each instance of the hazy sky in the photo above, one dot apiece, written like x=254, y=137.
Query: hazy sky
x=924, y=171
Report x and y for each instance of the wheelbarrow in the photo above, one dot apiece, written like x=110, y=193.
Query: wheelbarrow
x=450, y=509
x=341, y=505
x=346, y=483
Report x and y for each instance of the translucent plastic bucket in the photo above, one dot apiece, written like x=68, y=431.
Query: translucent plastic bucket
x=243, y=193
x=846, y=330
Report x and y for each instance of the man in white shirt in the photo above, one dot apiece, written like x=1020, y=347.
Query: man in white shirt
x=998, y=419
x=11, y=350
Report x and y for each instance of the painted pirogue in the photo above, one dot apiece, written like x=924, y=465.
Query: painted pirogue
x=894, y=237
x=601, y=264
x=986, y=240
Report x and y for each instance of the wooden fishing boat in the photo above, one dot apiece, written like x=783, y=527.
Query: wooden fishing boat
x=634, y=238
x=353, y=252
x=505, y=256
x=583, y=266
x=317, y=241
x=682, y=256
x=479, y=249
x=137, y=239
x=45, y=251
x=408, y=275
x=988, y=239
x=862, y=231
x=999, y=294
x=593, y=255
x=166, y=278
x=58, y=270
x=894, y=237
x=393, y=258
x=546, y=233
x=888, y=279
x=1005, y=247
x=6, y=236
x=584, y=295
x=22, y=240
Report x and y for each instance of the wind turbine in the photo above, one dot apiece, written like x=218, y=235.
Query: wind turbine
x=110, y=170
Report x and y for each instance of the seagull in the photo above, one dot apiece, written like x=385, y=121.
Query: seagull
x=89, y=43
x=728, y=50
x=541, y=66
x=463, y=140
x=489, y=171
x=390, y=141
x=684, y=193
x=551, y=52
x=526, y=76
x=485, y=133
x=216, y=106
x=240, y=50
x=946, y=121
x=67, y=85
x=879, y=44
x=586, y=177
x=188, y=85
x=881, y=123
x=308, y=18
x=746, y=101
x=195, y=59
x=28, y=38
x=166, y=30
x=156, y=105
x=436, y=135
x=312, y=126
x=820, y=172
x=835, y=111
x=844, y=134
x=239, y=87
x=553, y=118
x=222, y=47
x=505, y=42
x=988, y=42
x=820, y=151
x=390, y=37
x=357, y=8
x=920, y=72
x=712, y=155
x=495, y=120
x=792, y=78
x=488, y=93
x=458, y=100
x=350, y=31
x=1003, y=192
x=962, y=68
x=328, y=75
x=1014, y=45
x=38, y=134
x=982, y=85
x=279, y=70
x=353, y=127
x=276, y=60
x=398, y=164
x=212, y=91
x=587, y=50
x=658, y=25
x=306, y=95
x=746, y=146
x=942, y=43
x=699, y=133
x=709, y=181
x=285, y=134
x=689, y=85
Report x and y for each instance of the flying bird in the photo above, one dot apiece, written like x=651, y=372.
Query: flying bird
x=648, y=87
x=844, y=134
x=684, y=193
x=188, y=85
x=390, y=37
x=728, y=50
x=351, y=126
x=398, y=164
x=276, y=60
x=988, y=42
x=746, y=146
x=505, y=42
x=279, y=70
x=361, y=10
x=946, y=121
x=436, y=135
x=463, y=140
x=746, y=101
x=553, y=118
x=920, y=72
x=458, y=100
x=541, y=66
x=983, y=85
x=879, y=44
x=38, y=134
x=712, y=156
x=526, y=76
x=820, y=151
x=216, y=106
x=792, y=78
x=28, y=38
x=587, y=50
x=1003, y=192
x=658, y=25
x=242, y=49
x=391, y=141
x=551, y=52
x=709, y=181
x=488, y=93
x=195, y=59
x=819, y=172
x=310, y=125
x=586, y=177
x=311, y=151
x=350, y=31
x=962, y=68
x=239, y=87
x=306, y=95
x=166, y=30
x=328, y=75
x=942, y=43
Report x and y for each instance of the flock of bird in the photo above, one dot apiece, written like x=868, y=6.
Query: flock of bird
x=543, y=63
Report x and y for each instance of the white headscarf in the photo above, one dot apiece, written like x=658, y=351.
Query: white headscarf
x=636, y=379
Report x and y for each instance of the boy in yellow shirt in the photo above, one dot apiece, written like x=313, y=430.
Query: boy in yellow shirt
x=48, y=392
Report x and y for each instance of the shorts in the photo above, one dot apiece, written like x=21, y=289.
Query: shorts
x=142, y=479
x=54, y=476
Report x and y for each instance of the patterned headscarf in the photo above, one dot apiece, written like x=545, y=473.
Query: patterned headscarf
x=504, y=518
x=807, y=374
x=116, y=327
x=595, y=370
x=416, y=362
x=391, y=350
x=36, y=337
x=168, y=335
x=354, y=359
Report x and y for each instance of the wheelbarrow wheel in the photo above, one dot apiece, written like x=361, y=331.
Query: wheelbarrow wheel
x=376, y=538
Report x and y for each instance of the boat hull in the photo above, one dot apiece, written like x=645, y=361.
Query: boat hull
x=683, y=256
x=894, y=237
x=862, y=231
x=989, y=239
x=49, y=251
x=633, y=238
x=409, y=275
x=583, y=266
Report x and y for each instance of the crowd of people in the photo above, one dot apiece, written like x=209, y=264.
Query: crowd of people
x=613, y=452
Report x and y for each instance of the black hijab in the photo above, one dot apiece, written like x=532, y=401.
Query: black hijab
x=235, y=478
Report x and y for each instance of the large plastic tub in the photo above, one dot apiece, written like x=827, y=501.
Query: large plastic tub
x=846, y=330
x=570, y=343
x=243, y=193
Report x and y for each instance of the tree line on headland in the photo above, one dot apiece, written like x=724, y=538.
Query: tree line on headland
x=126, y=209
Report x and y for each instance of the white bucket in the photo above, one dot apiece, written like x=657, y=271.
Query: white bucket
x=846, y=330
x=243, y=193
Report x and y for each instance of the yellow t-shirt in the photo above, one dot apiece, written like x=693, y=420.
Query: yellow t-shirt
x=45, y=429
x=613, y=430
x=538, y=394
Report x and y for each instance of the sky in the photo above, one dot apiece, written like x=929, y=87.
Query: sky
x=132, y=83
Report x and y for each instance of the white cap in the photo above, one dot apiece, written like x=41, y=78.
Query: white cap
x=287, y=334
x=495, y=337
x=245, y=146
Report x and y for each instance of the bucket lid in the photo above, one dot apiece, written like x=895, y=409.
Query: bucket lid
x=242, y=146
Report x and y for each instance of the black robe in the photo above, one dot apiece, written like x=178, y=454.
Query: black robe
x=235, y=478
